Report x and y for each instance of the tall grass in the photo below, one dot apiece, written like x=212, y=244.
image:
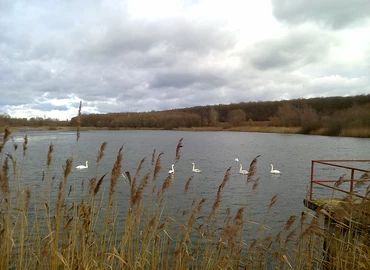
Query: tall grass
x=84, y=232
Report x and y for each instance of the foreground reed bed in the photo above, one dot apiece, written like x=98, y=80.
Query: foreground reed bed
x=83, y=230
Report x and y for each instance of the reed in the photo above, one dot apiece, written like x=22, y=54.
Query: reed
x=90, y=231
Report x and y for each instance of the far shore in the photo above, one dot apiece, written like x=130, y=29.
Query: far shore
x=263, y=129
x=358, y=133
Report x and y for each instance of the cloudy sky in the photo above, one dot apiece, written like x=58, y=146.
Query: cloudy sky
x=144, y=55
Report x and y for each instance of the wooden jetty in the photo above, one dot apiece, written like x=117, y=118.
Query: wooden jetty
x=339, y=190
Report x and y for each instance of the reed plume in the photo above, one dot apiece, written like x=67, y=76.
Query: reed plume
x=233, y=231
x=290, y=222
x=252, y=169
x=178, y=155
x=139, y=192
x=218, y=200
x=25, y=145
x=166, y=184
x=92, y=184
x=340, y=181
x=364, y=178
x=153, y=156
x=101, y=152
x=68, y=168
x=133, y=188
x=79, y=121
x=6, y=135
x=49, y=156
x=116, y=171
x=27, y=198
x=97, y=187
x=158, y=166
x=273, y=200
x=4, y=178
x=188, y=184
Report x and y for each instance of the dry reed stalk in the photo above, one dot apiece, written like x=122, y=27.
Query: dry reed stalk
x=340, y=181
x=27, y=198
x=49, y=156
x=157, y=167
x=273, y=201
x=364, y=178
x=289, y=237
x=5, y=138
x=255, y=184
x=166, y=184
x=133, y=188
x=95, y=189
x=153, y=156
x=178, y=155
x=92, y=184
x=116, y=171
x=344, y=209
x=290, y=222
x=252, y=169
x=232, y=232
x=101, y=152
x=188, y=184
x=218, y=200
x=192, y=217
x=78, y=122
x=25, y=145
x=140, y=190
x=68, y=168
x=4, y=179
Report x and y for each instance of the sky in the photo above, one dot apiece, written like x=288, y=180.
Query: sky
x=145, y=55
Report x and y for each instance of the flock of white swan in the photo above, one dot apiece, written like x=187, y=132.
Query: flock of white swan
x=172, y=171
x=241, y=170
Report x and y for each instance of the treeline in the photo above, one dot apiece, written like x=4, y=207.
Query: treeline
x=165, y=120
x=329, y=116
x=6, y=120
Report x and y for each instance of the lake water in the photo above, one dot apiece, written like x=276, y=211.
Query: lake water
x=212, y=152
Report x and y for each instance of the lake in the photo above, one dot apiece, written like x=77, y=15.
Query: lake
x=212, y=152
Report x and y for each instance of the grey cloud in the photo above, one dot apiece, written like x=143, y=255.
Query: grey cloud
x=186, y=79
x=333, y=13
x=300, y=47
x=175, y=37
x=49, y=107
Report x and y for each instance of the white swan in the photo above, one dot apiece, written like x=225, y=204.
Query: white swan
x=274, y=171
x=195, y=170
x=172, y=171
x=241, y=171
x=236, y=159
x=80, y=167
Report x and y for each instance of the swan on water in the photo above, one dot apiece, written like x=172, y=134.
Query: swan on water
x=172, y=171
x=195, y=170
x=274, y=171
x=236, y=159
x=241, y=171
x=80, y=167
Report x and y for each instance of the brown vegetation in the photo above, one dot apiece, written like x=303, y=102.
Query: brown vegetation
x=332, y=116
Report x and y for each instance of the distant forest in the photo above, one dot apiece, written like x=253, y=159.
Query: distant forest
x=333, y=116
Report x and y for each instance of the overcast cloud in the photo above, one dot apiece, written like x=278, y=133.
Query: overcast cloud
x=142, y=55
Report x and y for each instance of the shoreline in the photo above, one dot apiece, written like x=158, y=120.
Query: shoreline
x=358, y=133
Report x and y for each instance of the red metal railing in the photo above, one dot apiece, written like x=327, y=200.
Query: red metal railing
x=336, y=163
